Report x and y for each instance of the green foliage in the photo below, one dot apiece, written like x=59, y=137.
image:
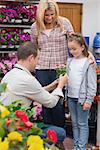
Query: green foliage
x=3, y=87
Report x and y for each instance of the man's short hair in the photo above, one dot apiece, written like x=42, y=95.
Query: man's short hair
x=27, y=49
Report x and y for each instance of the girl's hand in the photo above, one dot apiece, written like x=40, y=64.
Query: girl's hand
x=86, y=106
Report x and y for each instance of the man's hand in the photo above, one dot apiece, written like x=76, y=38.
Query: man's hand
x=63, y=81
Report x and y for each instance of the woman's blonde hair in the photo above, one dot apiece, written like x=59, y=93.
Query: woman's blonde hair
x=42, y=7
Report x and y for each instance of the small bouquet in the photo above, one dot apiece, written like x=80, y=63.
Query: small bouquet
x=61, y=70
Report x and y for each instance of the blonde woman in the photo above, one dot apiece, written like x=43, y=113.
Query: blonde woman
x=49, y=32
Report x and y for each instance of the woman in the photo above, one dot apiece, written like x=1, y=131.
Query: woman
x=49, y=31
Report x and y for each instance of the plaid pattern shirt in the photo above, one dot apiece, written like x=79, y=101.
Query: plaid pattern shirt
x=53, y=48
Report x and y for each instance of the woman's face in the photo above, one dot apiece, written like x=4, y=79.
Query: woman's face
x=49, y=16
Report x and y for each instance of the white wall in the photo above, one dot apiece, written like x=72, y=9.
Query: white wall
x=70, y=1
x=90, y=17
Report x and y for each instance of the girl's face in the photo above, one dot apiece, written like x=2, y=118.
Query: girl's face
x=75, y=49
x=49, y=16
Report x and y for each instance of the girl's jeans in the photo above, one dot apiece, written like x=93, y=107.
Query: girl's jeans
x=80, y=127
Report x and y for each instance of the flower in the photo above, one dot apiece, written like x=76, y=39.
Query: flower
x=35, y=142
x=18, y=132
x=10, y=37
x=7, y=64
x=4, y=111
x=4, y=144
x=61, y=70
x=10, y=12
x=23, y=117
x=52, y=135
x=13, y=136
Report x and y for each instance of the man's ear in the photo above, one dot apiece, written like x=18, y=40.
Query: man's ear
x=30, y=57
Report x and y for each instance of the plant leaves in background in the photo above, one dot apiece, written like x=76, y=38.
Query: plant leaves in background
x=2, y=87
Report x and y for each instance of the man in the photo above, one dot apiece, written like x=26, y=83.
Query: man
x=22, y=85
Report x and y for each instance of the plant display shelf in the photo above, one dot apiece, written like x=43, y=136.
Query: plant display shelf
x=6, y=25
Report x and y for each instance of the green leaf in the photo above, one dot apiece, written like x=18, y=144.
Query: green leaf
x=42, y=125
x=35, y=131
x=2, y=132
x=3, y=87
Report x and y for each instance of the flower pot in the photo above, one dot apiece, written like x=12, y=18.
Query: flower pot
x=18, y=21
x=25, y=20
x=12, y=20
x=16, y=46
x=3, y=46
x=11, y=46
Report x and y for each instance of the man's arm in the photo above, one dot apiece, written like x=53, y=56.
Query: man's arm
x=36, y=92
x=51, y=86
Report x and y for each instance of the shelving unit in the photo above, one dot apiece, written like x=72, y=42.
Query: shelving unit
x=22, y=26
x=15, y=21
x=14, y=26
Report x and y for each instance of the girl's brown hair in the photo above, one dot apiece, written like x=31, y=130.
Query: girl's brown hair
x=80, y=40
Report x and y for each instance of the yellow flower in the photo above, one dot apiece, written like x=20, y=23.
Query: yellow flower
x=15, y=136
x=4, y=145
x=36, y=146
x=4, y=111
x=34, y=139
x=35, y=143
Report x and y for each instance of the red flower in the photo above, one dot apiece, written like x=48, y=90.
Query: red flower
x=52, y=135
x=28, y=124
x=8, y=122
x=23, y=117
x=20, y=114
x=97, y=98
x=18, y=126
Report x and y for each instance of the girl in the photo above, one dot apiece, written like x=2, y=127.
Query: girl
x=81, y=89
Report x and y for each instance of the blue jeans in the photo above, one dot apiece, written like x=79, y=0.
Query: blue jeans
x=61, y=134
x=45, y=77
x=80, y=127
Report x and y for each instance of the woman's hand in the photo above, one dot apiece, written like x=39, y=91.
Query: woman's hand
x=92, y=59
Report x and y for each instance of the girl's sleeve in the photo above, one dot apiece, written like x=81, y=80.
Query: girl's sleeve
x=92, y=84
